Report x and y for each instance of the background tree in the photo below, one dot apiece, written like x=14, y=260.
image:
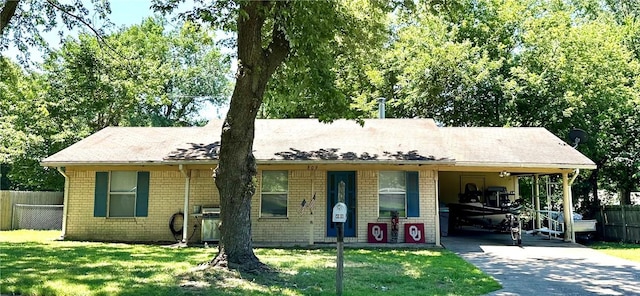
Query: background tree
x=148, y=76
x=23, y=117
x=555, y=64
x=23, y=22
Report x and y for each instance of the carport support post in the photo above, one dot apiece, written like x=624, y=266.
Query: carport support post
x=566, y=205
x=536, y=197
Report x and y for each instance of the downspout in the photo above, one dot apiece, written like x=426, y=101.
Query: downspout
x=437, y=186
x=575, y=175
x=185, y=221
x=65, y=202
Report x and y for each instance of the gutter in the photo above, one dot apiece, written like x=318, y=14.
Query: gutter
x=185, y=221
x=265, y=161
x=524, y=165
x=442, y=162
x=65, y=202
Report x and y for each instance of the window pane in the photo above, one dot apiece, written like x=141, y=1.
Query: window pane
x=275, y=181
x=392, y=182
x=392, y=202
x=121, y=205
x=274, y=205
x=123, y=181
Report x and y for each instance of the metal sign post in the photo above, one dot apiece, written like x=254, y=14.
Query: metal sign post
x=339, y=216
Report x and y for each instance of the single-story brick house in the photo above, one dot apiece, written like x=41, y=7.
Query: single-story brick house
x=125, y=183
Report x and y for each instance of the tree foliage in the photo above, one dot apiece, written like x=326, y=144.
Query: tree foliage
x=335, y=78
x=24, y=23
x=152, y=77
x=147, y=76
x=555, y=64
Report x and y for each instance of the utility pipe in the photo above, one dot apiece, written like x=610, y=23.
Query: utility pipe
x=185, y=221
x=437, y=186
x=65, y=202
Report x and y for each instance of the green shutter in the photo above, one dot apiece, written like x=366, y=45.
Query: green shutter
x=101, y=192
x=142, y=194
x=413, y=195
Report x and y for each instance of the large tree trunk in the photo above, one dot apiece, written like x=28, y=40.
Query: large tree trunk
x=7, y=13
x=237, y=166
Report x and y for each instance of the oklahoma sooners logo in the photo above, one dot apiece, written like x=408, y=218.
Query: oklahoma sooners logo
x=415, y=233
x=377, y=233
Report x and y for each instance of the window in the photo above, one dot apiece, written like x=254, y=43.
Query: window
x=398, y=191
x=275, y=188
x=121, y=194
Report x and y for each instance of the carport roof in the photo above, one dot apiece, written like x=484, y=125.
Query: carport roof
x=409, y=141
x=511, y=147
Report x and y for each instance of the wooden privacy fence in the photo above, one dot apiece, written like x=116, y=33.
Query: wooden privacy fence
x=9, y=200
x=620, y=223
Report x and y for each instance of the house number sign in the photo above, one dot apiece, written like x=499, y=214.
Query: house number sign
x=339, y=213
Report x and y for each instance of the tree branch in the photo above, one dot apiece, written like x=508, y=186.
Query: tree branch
x=98, y=35
x=7, y=13
x=277, y=51
x=279, y=48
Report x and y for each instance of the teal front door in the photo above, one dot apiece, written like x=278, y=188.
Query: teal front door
x=333, y=183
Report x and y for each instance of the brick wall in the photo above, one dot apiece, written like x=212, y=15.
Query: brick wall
x=296, y=227
x=166, y=197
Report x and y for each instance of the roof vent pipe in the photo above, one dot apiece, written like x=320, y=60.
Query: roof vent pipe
x=381, y=111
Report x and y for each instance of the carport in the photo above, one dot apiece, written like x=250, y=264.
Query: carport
x=497, y=157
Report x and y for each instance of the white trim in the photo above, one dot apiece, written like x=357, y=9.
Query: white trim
x=65, y=209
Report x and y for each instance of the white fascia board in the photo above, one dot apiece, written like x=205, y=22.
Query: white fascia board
x=526, y=165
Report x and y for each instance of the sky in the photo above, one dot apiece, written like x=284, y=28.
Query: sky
x=123, y=13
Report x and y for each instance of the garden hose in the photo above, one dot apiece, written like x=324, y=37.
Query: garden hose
x=172, y=226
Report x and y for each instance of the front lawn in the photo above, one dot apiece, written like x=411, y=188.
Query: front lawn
x=31, y=263
x=621, y=250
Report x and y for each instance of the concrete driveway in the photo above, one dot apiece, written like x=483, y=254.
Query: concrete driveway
x=545, y=267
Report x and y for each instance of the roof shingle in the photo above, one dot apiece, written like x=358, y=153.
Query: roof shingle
x=299, y=140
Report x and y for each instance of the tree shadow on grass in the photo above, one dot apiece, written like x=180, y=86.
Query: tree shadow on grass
x=368, y=272
x=95, y=269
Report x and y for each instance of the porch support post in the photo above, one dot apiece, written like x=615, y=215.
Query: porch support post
x=566, y=205
x=185, y=221
x=573, y=178
x=536, y=198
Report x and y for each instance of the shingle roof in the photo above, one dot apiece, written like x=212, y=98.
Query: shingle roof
x=300, y=140
x=122, y=145
x=515, y=147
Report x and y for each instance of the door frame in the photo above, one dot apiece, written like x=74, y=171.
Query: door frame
x=350, y=227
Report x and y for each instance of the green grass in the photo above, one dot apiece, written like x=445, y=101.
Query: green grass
x=621, y=250
x=32, y=263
